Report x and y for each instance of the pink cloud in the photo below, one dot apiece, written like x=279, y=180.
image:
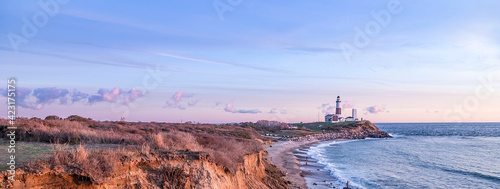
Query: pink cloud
x=110, y=96
x=375, y=109
x=175, y=100
x=133, y=94
x=229, y=107
x=348, y=104
x=177, y=97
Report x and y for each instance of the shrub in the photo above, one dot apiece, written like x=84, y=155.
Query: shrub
x=230, y=152
x=173, y=177
x=205, y=140
x=77, y=118
x=73, y=132
x=52, y=117
x=175, y=140
x=96, y=165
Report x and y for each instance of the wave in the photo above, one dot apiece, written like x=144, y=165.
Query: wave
x=474, y=174
x=318, y=153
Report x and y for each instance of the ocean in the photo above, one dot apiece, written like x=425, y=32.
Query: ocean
x=421, y=155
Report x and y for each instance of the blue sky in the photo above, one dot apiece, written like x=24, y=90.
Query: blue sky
x=243, y=60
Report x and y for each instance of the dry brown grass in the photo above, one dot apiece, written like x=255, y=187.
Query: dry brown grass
x=72, y=132
x=96, y=166
x=174, y=140
x=226, y=144
x=230, y=152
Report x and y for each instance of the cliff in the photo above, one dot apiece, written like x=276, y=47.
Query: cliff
x=187, y=171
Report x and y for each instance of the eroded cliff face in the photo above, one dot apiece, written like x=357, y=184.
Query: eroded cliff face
x=158, y=172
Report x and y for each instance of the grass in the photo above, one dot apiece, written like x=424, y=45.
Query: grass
x=293, y=133
x=96, y=166
x=25, y=151
x=30, y=151
x=320, y=126
x=225, y=144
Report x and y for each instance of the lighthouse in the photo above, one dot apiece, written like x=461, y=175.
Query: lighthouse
x=338, y=111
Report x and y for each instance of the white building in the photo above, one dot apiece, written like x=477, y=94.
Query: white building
x=338, y=112
x=354, y=116
x=331, y=118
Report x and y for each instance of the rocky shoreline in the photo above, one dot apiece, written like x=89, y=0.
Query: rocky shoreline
x=346, y=135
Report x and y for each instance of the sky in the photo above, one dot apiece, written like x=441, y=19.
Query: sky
x=235, y=60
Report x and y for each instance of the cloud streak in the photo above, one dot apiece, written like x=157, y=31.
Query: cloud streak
x=217, y=62
x=326, y=108
x=375, y=109
x=230, y=108
x=276, y=111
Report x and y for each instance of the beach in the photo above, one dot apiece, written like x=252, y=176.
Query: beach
x=301, y=170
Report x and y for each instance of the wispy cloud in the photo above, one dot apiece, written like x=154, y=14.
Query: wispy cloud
x=348, y=104
x=230, y=108
x=50, y=94
x=24, y=98
x=177, y=97
x=120, y=21
x=254, y=111
x=217, y=62
x=283, y=111
x=175, y=100
x=313, y=49
x=375, y=109
x=78, y=96
x=116, y=95
x=193, y=103
x=133, y=94
x=105, y=95
x=276, y=111
x=36, y=99
x=127, y=63
x=326, y=108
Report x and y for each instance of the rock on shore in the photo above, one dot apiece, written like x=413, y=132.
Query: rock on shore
x=354, y=130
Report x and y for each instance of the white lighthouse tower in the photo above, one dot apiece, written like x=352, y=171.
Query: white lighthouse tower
x=338, y=110
x=332, y=118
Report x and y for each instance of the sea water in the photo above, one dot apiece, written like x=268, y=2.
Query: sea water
x=421, y=155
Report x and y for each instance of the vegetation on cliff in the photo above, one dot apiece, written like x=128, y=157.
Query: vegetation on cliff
x=99, y=154
x=136, y=143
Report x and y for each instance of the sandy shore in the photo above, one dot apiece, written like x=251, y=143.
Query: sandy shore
x=300, y=170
